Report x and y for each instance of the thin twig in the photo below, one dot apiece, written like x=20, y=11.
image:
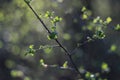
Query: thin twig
x=66, y=51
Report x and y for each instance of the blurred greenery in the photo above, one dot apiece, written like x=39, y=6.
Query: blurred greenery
x=19, y=28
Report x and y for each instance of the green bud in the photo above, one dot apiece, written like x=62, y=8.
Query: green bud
x=99, y=35
x=65, y=65
x=56, y=19
x=53, y=35
x=31, y=50
x=117, y=28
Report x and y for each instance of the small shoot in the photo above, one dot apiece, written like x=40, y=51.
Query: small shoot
x=56, y=19
x=65, y=65
x=52, y=35
x=113, y=48
x=105, y=67
x=86, y=13
x=31, y=50
x=84, y=16
x=99, y=34
x=49, y=14
x=97, y=19
x=117, y=28
x=83, y=9
x=87, y=75
x=108, y=20
x=43, y=64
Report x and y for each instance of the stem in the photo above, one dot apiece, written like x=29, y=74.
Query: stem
x=66, y=51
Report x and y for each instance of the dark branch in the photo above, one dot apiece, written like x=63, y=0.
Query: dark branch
x=66, y=51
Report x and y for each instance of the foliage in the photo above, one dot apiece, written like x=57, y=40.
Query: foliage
x=98, y=33
x=117, y=28
x=19, y=28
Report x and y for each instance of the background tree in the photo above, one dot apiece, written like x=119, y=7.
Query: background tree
x=19, y=28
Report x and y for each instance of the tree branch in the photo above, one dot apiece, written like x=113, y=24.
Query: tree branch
x=57, y=41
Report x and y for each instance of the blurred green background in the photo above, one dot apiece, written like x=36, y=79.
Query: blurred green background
x=19, y=28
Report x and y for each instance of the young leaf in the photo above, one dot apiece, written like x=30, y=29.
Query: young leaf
x=117, y=28
x=42, y=62
x=104, y=66
x=108, y=20
x=83, y=9
x=87, y=75
x=99, y=35
x=48, y=14
x=56, y=19
x=31, y=50
x=53, y=35
x=84, y=16
x=113, y=48
x=65, y=65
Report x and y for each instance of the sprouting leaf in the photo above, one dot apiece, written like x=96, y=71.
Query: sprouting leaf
x=27, y=1
x=99, y=34
x=117, y=28
x=31, y=50
x=56, y=19
x=87, y=75
x=113, y=48
x=52, y=35
x=84, y=16
x=104, y=66
x=96, y=19
x=31, y=46
x=108, y=19
x=48, y=14
x=65, y=65
x=53, y=29
x=83, y=9
x=42, y=62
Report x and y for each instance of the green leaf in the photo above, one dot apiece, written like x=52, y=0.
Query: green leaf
x=108, y=19
x=31, y=46
x=96, y=19
x=113, y=48
x=84, y=16
x=56, y=19
x=48, y=14
x=52, y=35
x=42, y=62
x=104, y=66
x=31, y=50
x=53, y=29
x=117, y=28
x=65, y=65
x=99, y=34
x=87, y=75
x=83, y=9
